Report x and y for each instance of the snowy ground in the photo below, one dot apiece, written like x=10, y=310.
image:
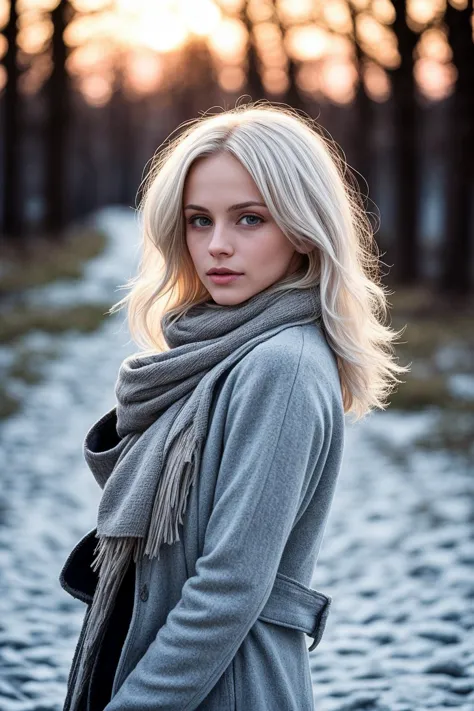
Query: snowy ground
x=397, y=557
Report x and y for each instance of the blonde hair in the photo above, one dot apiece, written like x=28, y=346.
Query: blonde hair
x=303, y=182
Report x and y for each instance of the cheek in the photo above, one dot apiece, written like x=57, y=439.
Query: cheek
x=191, y=247
x=271, y=247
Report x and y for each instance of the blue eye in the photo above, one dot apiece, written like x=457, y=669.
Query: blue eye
x=252, y=216
x=192, y=220
x=197, y=217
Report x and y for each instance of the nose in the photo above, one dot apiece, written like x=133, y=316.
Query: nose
x=219, y=241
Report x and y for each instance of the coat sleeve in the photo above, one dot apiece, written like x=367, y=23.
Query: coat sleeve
x=275, y=428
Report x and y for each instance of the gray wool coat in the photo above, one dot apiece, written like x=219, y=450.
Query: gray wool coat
x=220, y=622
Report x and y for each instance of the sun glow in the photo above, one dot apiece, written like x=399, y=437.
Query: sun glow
x=146, y=38
x=166, y=25
x=229, y=42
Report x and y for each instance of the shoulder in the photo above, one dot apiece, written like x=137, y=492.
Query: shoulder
x=297, y=359
x=301, y=351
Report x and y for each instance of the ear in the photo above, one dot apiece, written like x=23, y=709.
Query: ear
x=306, y=249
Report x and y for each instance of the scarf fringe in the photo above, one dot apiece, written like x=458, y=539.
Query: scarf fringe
x=113, y=558
x=113, y=555
x=172, y=492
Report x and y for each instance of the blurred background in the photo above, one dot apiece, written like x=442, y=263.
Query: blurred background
x=89, y=89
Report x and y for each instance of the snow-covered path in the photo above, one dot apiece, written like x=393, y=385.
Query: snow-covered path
x=397, y=556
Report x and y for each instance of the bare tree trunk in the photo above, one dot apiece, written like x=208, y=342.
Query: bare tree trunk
x=12, y=219
x=361, y=143
x=122, y=139
x=292, y=95
x=406, y=171
x=457, y=252
x=198, y=80
x=254, y=80
x=56, y=133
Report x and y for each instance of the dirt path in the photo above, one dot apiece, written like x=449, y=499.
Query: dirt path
x=397, y=556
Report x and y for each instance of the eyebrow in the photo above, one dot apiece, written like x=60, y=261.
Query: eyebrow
x=232, y=208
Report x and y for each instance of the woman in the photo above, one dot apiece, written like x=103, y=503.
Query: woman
x=219, y=462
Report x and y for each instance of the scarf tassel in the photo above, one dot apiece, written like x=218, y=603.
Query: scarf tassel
x=172, y=492
x=113, y=558
x=113, y=555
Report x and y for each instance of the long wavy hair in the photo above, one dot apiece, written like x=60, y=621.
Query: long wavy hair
x=314, y=200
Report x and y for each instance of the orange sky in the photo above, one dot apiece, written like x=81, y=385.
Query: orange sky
x=144, y=34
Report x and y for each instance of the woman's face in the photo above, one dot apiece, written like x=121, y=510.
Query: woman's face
x=228, y=225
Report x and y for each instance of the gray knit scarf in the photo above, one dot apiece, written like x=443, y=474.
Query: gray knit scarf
x=145, y=452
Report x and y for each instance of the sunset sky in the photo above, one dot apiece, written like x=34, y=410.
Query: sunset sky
x=146, y=37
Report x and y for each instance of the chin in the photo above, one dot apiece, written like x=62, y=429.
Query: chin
x=232, y=298
x=228, y=299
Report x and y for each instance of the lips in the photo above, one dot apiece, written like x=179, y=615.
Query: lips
x=224, y=273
